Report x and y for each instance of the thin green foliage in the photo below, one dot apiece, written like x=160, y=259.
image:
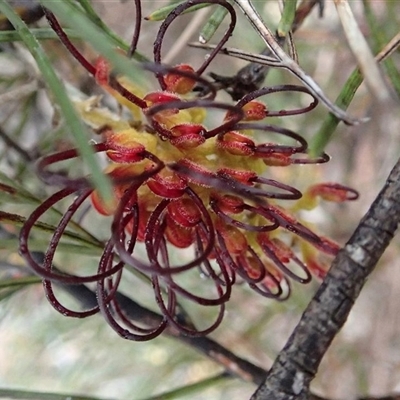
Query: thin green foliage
x=286, y=22
x=25, y=395
x=379, y=39
x=92, y=15
x=38, y=33
x=191, y=389
x=7, y=293
x=73, y=122
x=12, y=193
x=72, y=15
x=24, y=281
x=39, y=243
x=19, y=220
x=162, y=13
x=212, y=24
x=325, y=133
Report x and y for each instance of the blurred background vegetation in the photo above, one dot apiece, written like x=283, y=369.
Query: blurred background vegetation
x=42, y=351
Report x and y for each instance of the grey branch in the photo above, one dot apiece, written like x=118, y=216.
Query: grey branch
x=297, y=364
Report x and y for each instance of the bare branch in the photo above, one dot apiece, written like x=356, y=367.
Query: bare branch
x=286, y=62
x=297, y=364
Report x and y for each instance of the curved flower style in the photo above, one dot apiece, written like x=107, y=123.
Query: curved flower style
x=185, y=190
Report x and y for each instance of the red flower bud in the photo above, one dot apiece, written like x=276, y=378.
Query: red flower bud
x=333, y=192
x=123, y=149
x=236, y=143
x=159, y=98
x=187, y=136
x=170, y=186
x=184, y=212
x=228, y=203
x=144, y=216
x=280, y=249
x=251, y=266
x=101, y=206
x=240, y=175
x=177, y=235
x=197, y=169
x=276, y=159
x=177, y=83
x=235, y=241
x=119, y=172
x=102, y=73
x=254, y=111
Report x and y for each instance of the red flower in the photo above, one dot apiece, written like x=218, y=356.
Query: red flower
x=192, y=197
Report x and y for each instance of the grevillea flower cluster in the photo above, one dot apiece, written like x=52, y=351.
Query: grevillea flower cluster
x=185, y=190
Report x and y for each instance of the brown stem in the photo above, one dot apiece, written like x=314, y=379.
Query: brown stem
x=297, y=364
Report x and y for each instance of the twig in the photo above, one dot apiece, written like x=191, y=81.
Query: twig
x=19, y=93
x=233, y=364
x=252, y=76
x=184, y=37
x=297, y=364
x=359, y=46
x=288, y=63
x=14, y=145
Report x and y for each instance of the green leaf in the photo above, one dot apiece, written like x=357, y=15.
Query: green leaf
x=379, y=39
x=38, y=33
x=38, y=244
x=286, y=22
x=24, y=281
x=73, y=16
x=212, y=24
x=72, y=119
x=18, y=220
x=162, y=13
x=30, y=395
x=87, y=7
x=324, y=135
x=12, y=192
x=188, y=390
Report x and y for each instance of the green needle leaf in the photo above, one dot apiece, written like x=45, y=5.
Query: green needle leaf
x=212, y=24
x=73, y=121
x=38, y=33
x=161, y=14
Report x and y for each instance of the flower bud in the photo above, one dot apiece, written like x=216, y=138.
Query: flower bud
x=240, y=175
x=177, y=83
x=123, y=149
x=254, y=111
x=277, y=160
x=333, y=192
x=169, y=186
x=177, y=235
x=228, y=203
x=102, y=73
x=187, y=136
x=235, y=241
x=153, y=98
x=237, y=144
x=184, y=212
